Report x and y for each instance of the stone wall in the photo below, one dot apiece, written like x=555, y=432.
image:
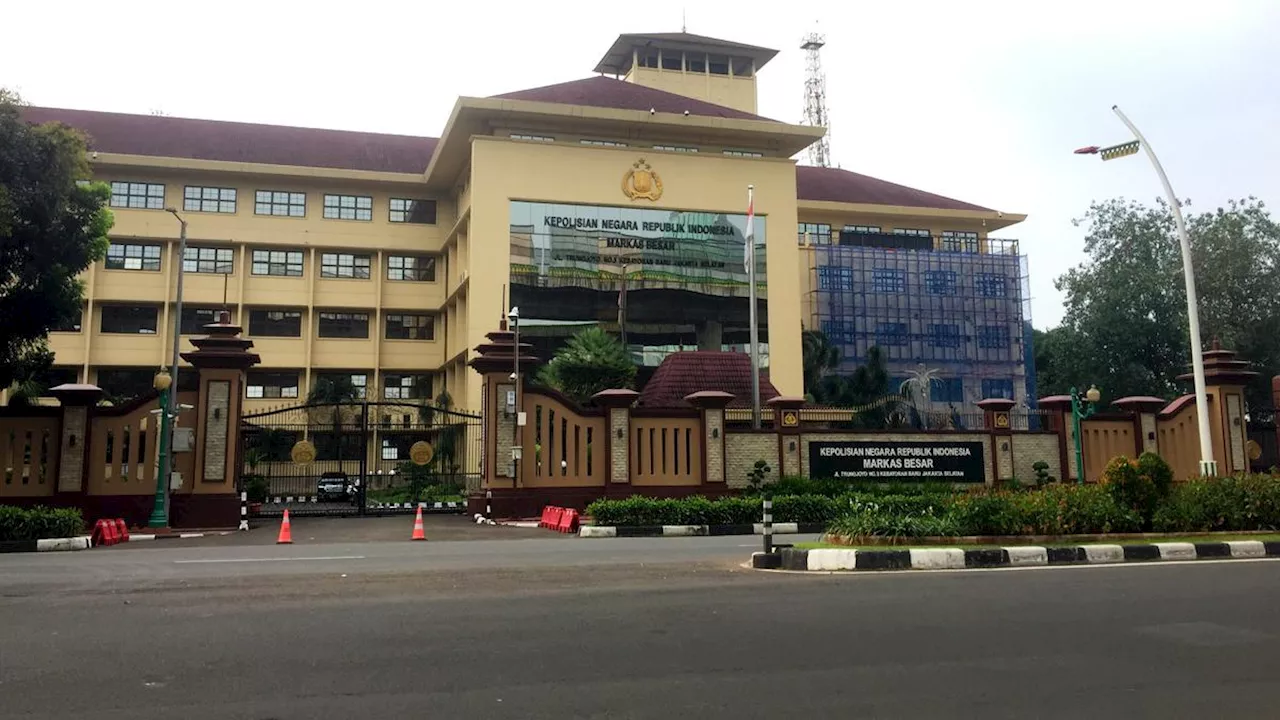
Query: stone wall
x=1028, y=449
x=714, y=445
x=619, y=470
x=743, y=449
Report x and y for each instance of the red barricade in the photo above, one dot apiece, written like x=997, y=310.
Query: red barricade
x=568, y=521
x=104, y=533
x=545, y=522
x=122, y=531
x=553, y=520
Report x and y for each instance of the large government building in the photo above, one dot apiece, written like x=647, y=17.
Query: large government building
x=618, y=201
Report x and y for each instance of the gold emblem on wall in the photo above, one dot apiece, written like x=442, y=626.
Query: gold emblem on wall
x=1253, y=450
x=790, y=418
x=641, y=182
x=1002, y=420
x=303, y=453
x=421, y=453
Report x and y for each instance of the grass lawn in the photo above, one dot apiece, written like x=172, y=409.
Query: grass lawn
x=1223, y=537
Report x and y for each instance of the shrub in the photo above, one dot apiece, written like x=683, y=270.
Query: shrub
x=870, y=521
x=39, y=522
x=988, y=513
x=1251, y=502
x=1140, y=486
x=256, y=488
x=697, y=510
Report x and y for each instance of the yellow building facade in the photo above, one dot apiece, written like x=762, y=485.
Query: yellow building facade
x=388, y=258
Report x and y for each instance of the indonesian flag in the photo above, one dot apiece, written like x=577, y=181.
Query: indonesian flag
x=749, y=248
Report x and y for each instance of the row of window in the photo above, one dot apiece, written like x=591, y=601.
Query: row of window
x=951, y=390
x=134, y=381
x=145, y=320
x=278, y=203
x=937, y=335
x=951, y=240
x=278, y=263
x=894, y=280
x=287, y=384
x=614, y=143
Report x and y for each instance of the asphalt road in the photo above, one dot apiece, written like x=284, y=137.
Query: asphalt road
x=622, y=629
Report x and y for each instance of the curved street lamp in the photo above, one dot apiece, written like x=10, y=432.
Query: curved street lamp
x=1083, y=406
x=1208, y=467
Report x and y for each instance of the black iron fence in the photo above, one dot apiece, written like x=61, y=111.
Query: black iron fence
x=359, y=458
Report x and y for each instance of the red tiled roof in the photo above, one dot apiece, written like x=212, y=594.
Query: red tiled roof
x=163, y=136
x=685, y=373
x=604, y=92
x=835, y=185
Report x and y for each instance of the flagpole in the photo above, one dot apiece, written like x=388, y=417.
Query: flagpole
x=751, y=298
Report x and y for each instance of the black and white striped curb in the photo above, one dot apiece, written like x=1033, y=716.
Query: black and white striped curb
x=143, y=537
x=833, y=559
x=608, y=531
x=80, y=542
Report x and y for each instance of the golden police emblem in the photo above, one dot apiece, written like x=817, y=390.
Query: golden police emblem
x=641, y=182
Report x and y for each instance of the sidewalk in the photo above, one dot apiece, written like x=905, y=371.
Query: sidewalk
x=397, y=528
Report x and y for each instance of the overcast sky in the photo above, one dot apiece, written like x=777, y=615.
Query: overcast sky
x=982, y=101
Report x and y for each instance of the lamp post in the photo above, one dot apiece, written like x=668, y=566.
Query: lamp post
x=1083, y=406
x=517, y=452
x=1208, y=466
x=169, y=381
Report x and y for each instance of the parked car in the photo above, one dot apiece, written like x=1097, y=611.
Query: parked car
x=336, y=486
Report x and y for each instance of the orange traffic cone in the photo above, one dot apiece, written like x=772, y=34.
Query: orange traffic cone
x=286, y=534
x=419, y=532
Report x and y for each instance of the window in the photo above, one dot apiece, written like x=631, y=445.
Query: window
x=411, y=327
x=891, y=334
x=348, y=207
x=133, y=257
x=130, y=319
x=993, y=337
x=696, y=63
x=194, y=320
x=421, y=212
x=209, y=199
x=940, y=282
x=603, y=143
x=997, y=388
x=944, y=336
x=911, y=232
x=861, y=229
x=220, y=261
x=281, y=263
x=344, y=265
x=71, y=324
x=990, y=285
x=359, y=381
x=676, y=148
x=275, y=323
x=839, y=332
x=831, y=277
x=406, y=387
x=948, y=390
x=532, y=138
x=280, y=203
x=671, y=61
x=955, y=241
x=344, y=325
x=418, y=268
x=271, y=385
x=889, y=280
x=124, y=383
x=648, y=59
x=818, y=233
x=55, y=376
x=743, y=153
x=147, y=196
x=719, y=65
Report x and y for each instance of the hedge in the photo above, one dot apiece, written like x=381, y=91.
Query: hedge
x=37, y=523
x=698, y=510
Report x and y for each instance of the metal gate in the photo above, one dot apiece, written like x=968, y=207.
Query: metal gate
x=1262, y=430
x=355, y=458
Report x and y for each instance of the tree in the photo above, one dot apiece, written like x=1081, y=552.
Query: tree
x=918, y=388
x=331, y=393
x=592, y=360
x=51, y=230
x=820, y=358
x=1125, y=327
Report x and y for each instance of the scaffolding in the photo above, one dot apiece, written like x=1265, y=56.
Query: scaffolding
x=964, y=315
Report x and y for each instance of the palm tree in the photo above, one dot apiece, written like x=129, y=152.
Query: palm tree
x=592, y=360
x=330, y=393
x=26, y=393
x=820, y=358
x=917, y=387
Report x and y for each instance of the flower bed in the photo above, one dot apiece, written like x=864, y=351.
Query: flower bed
x=38, y=523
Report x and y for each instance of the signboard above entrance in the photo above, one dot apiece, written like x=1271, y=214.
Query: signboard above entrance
x=926, y=461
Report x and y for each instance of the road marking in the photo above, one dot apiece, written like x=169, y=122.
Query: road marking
x=283, y=559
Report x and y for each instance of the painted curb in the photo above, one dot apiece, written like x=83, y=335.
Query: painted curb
x=608, y=531
x=839, y=560
x=80, y=542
